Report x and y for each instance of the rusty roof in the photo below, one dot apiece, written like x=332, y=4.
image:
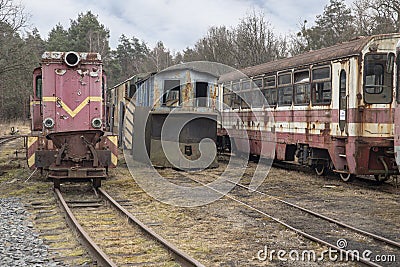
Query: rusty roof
x=351, y=48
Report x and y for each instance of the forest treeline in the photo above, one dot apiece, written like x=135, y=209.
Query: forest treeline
x=252, y=41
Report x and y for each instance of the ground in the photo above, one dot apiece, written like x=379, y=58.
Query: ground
x=222, y=233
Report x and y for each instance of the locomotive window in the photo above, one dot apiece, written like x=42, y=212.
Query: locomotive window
x=38, y=87
x=302, y=87
x=378, y=80
x=172, y=93
x=321, y=86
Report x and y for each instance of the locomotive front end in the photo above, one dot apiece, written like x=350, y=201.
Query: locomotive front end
x=73, y=143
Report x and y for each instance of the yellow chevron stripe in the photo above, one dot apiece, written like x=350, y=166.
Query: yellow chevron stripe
x=31, y=160
x=113, y=139
x=32, y=140
x=35, y=102
x=67, y=109
x=114, y=159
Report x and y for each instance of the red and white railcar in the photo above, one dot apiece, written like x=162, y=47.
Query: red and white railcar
x=333, y=108
x=69, y=137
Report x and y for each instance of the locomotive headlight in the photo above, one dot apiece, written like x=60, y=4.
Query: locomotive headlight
x=72, y=59
x=97, y=123
x=48, y=123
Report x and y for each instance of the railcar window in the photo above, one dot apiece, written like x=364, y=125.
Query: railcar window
x=227, y=100
x=39, y=87
x=227, y=96
x=273, y=97
x=257, y=98
x=321, y=86
x=269, y=82
x=236, y=87
x=172, y=93
x=235, y=101
x=378, y=79
x=245, y=98
x=258, y=83
x=285, y=90
x=132, y=90
x=246, y=85
x=398, y=79
x=302, y=87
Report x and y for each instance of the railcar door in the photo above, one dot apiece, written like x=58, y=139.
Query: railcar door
x=342, y=100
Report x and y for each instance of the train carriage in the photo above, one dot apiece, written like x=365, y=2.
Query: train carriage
x=180, y=95
x=333, y=108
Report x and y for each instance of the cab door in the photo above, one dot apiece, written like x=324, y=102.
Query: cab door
x=36, y=101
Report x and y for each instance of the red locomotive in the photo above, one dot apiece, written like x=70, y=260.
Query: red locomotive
x=333, y=108
x=69, y=137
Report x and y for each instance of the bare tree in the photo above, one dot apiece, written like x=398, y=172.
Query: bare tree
x=12, y=14
x=377, y=16
x=255, y=41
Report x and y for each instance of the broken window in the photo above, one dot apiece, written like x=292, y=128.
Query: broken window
x=172, y=93
x=201, y=94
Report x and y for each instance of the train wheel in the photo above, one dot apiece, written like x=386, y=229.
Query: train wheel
x=381, y=177
x=320, y=169
x=346, y=177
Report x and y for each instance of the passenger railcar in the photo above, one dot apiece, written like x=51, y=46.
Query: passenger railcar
x=68, y=135
x=334, y=108
x=180, y=94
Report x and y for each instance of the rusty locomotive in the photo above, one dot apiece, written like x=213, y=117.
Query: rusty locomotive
x=335, y=108
x=68, y=131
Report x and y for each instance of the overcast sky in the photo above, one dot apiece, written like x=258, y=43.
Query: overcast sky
x=178, y=23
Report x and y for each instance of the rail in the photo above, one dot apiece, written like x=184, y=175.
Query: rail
x=180, y=256
x=96, y=252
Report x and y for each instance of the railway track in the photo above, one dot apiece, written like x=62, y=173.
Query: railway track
x=332, y=233
x=6, y=139
x=114, y=237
